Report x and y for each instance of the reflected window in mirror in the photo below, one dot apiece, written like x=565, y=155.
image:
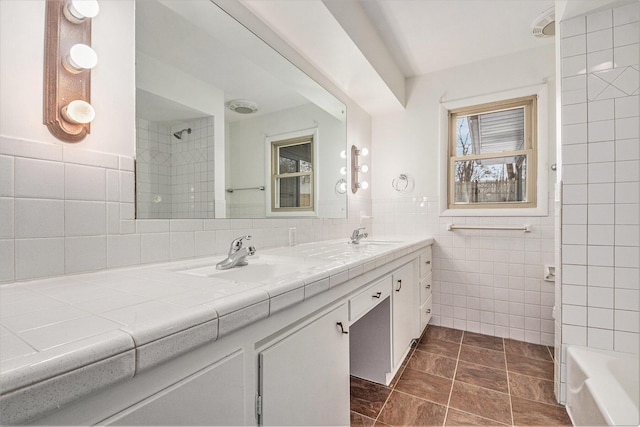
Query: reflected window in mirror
x=292, y=174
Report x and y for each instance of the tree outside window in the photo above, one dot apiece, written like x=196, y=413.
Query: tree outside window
x=491, y=151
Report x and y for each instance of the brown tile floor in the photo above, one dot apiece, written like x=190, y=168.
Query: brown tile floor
x=456, y=378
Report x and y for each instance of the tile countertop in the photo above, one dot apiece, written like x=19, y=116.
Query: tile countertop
x=93, y=322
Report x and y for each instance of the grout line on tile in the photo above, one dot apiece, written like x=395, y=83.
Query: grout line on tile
x=384, y=405
x=453, y=379
x=479, y=416
x=506, y=368
x=554, y=405
x=416, y=397
x=530, y=376
x=399, y=374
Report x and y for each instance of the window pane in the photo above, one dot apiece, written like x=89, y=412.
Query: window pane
x=294, y=192
x=495, y=132
x=294, y=158
x=494, y=180
x=287, y=165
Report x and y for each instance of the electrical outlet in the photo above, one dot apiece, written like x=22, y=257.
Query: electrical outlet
x=293, y=236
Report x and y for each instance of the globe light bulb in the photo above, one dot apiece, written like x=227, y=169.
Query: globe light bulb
x=77, y=11
x=78, y=112
x=80, y=57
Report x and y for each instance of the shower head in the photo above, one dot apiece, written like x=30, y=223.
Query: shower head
x=179, y=133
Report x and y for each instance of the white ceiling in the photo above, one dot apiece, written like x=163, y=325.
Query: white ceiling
x=417, y=37
x=202, y=41
x=431, y=35
x=367, y=48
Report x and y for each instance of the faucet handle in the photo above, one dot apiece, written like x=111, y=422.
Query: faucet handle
x=356, y=235
x=236, y=244
x=356, y=232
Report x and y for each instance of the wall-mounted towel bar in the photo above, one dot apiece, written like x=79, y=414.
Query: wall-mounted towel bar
x=526, y=227
x=231, y=190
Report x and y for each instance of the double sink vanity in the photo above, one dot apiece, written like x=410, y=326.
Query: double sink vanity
x=183, y=343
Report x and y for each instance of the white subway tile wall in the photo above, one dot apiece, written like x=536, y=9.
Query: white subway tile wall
x=489, y=282
x=76, y=216
x=600, y=229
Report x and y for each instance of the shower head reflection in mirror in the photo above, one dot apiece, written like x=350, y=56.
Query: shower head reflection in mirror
x=179, y=133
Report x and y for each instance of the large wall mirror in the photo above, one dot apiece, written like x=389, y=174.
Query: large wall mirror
x=211, y=97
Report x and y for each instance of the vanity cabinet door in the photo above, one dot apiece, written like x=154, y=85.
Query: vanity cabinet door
x=405, y=311
x=211, y=397
x=304, y=378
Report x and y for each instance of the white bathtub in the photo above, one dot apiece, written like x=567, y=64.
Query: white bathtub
x=602, y=387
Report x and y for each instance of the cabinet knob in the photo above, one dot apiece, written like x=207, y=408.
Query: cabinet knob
x=377, y=295
x=399, y=285
x=428, y=310
x=339, y=324
x=428, y=286
x=427, y=262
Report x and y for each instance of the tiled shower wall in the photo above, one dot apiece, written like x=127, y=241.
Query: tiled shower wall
x=65, y=210
x=486, y=281
x=153, y=174
x=174, y=177
x=601, y=180
x=192, y=170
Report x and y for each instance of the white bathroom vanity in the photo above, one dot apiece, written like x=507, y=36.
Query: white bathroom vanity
x=271, y=343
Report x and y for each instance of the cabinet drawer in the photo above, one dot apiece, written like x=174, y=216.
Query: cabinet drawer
x=366, y=300
x=425, y=313
x=425, y=288
x=425, y=262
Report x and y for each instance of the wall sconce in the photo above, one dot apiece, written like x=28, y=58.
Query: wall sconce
x=67, y=68
x=356, y=168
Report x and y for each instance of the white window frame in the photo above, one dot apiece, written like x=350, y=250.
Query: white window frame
x=541, y=208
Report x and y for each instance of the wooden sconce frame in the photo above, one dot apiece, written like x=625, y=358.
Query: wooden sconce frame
x=60, y=85
x=354, y=169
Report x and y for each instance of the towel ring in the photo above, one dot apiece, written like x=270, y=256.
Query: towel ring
x=401, y=183
x=341, y=186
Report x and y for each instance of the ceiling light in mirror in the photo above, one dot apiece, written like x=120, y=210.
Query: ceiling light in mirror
x=243, y=106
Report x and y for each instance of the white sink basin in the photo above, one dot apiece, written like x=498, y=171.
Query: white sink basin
x=366, y=242
x=259, y=269
x=247, y=273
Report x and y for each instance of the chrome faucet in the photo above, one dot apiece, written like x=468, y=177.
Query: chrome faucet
x=356, y=236
x=237, y=254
